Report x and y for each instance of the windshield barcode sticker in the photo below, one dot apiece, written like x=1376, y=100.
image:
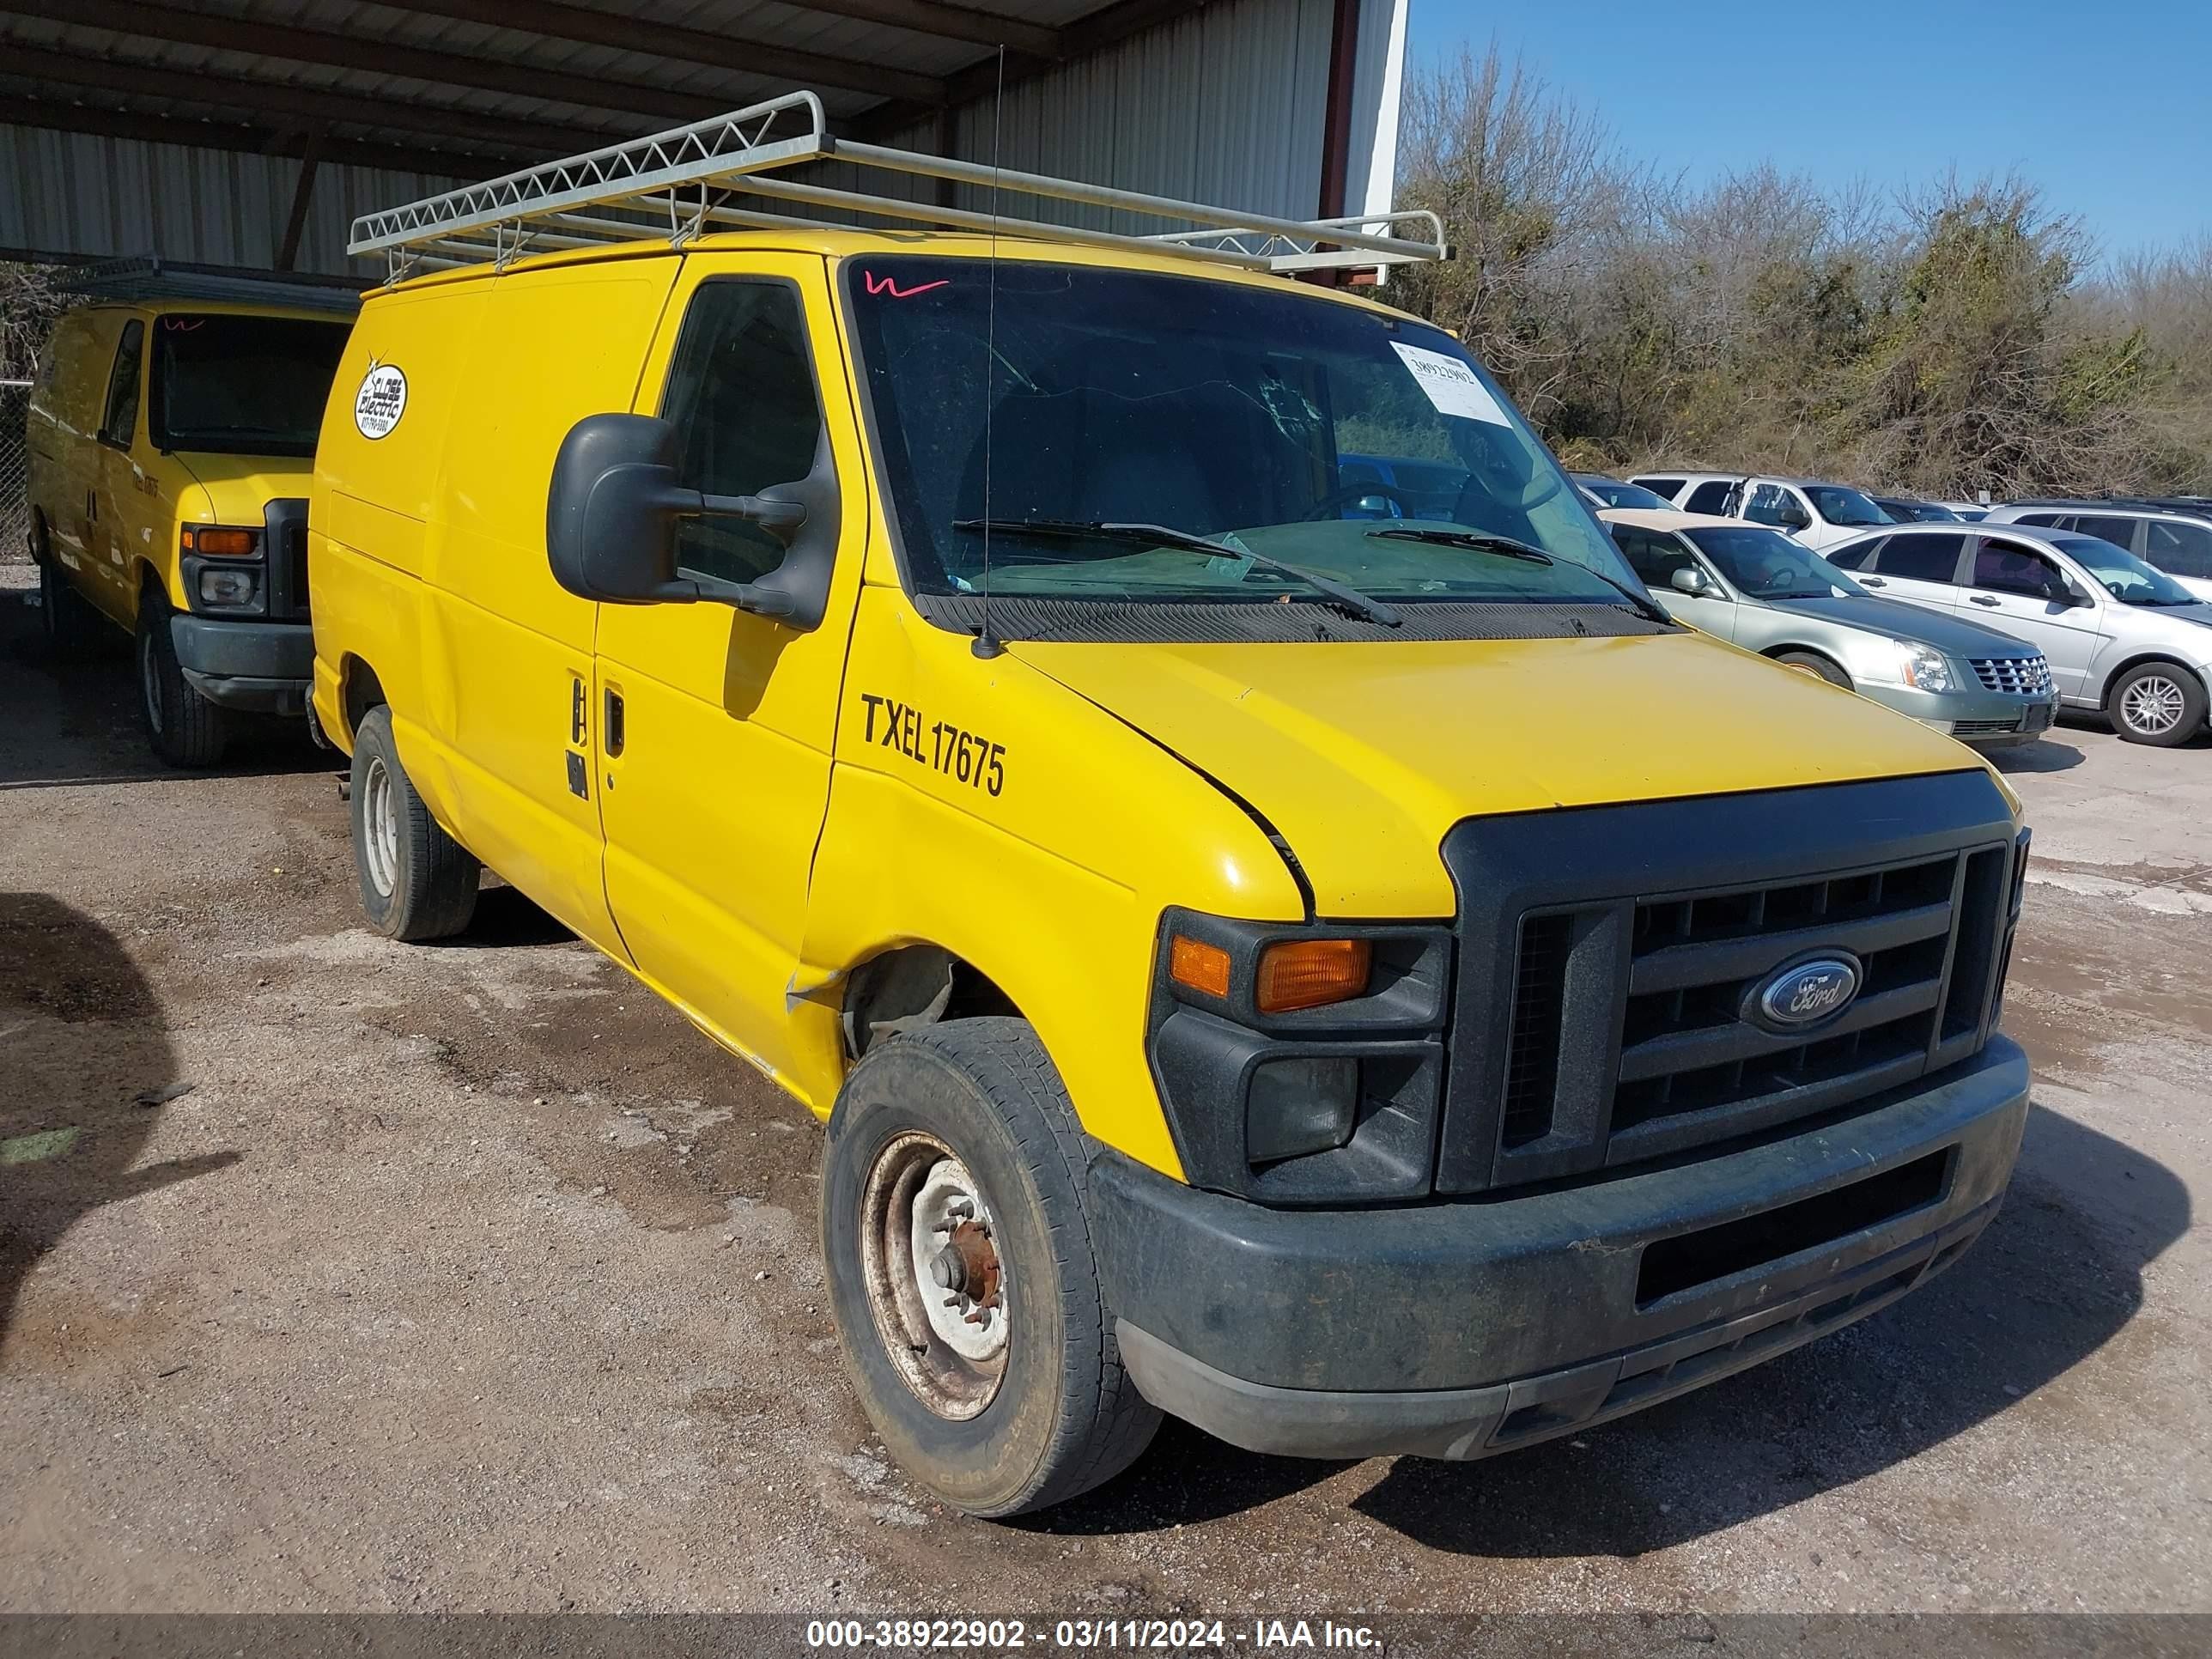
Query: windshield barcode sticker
x=1450, y=385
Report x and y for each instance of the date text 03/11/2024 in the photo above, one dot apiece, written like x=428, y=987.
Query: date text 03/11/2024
x=939, y=745
x=1147, y=1635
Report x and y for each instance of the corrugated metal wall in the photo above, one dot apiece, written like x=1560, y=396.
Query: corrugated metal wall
x=66, y=192
x=1227, y=105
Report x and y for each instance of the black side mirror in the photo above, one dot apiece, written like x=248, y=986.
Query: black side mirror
x=614, y=509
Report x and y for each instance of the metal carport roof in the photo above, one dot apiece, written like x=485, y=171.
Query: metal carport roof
x=429, y=92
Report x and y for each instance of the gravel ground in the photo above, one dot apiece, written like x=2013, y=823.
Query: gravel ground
x=470, y=1277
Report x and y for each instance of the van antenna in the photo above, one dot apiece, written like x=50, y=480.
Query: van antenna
x=986, y=643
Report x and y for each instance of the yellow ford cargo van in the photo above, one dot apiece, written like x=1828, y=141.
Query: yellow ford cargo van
x=1320, y=956
x=171, y=443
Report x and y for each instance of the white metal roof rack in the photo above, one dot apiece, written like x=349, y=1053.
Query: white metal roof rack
x=678, y=184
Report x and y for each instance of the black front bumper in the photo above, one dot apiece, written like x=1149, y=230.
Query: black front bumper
x=263, y=667
x=1460, y=1328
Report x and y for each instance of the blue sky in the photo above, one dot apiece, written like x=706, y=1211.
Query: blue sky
x=2107, y=105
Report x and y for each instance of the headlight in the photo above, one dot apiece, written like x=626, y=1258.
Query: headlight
x=1924, y=668
x=229, y=588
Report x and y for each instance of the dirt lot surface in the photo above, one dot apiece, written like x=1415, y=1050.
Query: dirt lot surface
x=472, y=1277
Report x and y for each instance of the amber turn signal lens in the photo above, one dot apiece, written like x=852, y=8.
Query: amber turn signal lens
x=219, y=543
x=1311, y=973
x=1201, y=966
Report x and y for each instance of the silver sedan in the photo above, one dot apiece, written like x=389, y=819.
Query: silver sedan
x=1749, y=584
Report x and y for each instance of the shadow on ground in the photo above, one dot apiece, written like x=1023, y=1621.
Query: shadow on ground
x=86, y=1071
x=2055, y=1277
x=2041, y=756
x=76, y=722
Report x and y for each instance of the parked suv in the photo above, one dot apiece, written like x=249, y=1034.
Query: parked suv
x=2177, y=539
x=1753, y=585
x=2121, y=637
x=171, y=442
x=1708, y=493
x=1818, y=514
x=1362, y=985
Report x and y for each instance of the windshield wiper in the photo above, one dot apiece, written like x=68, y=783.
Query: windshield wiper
x=1482, y=541
x=1161, y=535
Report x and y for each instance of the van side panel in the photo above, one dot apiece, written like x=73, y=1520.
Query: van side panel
x=480, y=654
x=62, y=427
x=368, y=520
x=557, y=345
x=54, y=420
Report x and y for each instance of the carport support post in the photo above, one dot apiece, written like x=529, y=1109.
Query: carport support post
x=303, y=189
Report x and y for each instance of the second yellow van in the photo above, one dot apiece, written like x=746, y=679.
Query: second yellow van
x=171, y=443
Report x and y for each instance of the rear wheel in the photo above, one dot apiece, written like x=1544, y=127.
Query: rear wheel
x=1812, y=662
x=66, y=619
x=184, y=728
x=417, y=881
x=2157, y=703
x=961, y=1272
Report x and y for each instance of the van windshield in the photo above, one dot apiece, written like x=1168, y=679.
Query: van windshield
x=229, y=384
x=1283, y=425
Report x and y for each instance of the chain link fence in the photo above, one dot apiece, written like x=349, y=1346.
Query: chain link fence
x=30, y=299
x=15, y=473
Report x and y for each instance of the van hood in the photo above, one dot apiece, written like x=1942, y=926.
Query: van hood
x=238, y=488
x=1362, y=755
x=1955, y=637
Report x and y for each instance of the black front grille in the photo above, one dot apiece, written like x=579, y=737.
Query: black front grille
x=285, y=539
x=1611, y=960
x=1687, y=1048
x=1532, y=1055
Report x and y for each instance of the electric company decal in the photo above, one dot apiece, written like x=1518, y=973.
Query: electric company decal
x=1450, y=385
x=381, y=400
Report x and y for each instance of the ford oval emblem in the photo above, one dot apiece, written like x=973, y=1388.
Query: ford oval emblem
x=1804, y=993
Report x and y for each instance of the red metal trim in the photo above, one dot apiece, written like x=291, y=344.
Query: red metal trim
x=1336, y=120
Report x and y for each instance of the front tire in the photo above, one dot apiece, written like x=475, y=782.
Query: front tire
x=183, y=726
x=417, y=881
x=961, y=1275
x=1812, y=662
x=2156, y=703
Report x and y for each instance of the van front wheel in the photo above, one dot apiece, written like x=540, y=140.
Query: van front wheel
x=184, y=728
x=417, y=881
x=961, y=1272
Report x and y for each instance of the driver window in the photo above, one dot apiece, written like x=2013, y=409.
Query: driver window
x=1770, y=504
x=122, y=412
x=741, y=397
x=2009, y=568
x=1654, y=558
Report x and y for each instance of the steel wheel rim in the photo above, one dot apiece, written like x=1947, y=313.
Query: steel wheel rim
x=379, y=825
x=921, y=1213
x=2151, y=705
x=149, y=681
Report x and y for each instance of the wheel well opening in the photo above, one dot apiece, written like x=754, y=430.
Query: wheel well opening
x=360, y=691
x=913, y=986
x=2144, y=659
